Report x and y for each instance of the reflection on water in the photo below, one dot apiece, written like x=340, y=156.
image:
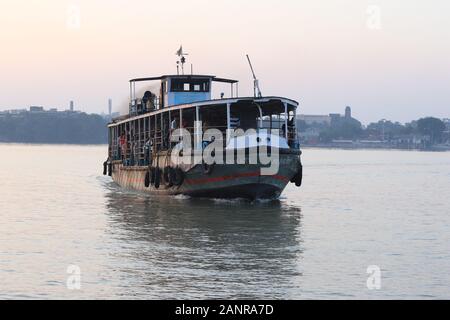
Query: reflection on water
x=209, y=248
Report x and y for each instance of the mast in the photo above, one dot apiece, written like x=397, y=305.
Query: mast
x=256, y=89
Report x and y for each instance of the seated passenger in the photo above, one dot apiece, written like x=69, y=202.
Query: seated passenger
x=147, y=102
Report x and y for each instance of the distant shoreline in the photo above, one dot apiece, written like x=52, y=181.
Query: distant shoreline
x=331, y=147
x=52, y=143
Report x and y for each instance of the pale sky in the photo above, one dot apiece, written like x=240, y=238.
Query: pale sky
x=385, y=58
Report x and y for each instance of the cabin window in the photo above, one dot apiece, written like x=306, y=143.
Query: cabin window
x=189, y=85
x=205, y=86
x=176, y=85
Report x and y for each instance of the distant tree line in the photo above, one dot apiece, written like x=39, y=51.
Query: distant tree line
x=352, y=129
x=47, y=127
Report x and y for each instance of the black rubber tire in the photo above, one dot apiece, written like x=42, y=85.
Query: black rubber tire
x=298, y=173
x=177, y=177
x=171, y=175
x=147, y=179
x=157, y=178
x=167, y=176
x=299, y=177
x=152, y=175
x=110, y=169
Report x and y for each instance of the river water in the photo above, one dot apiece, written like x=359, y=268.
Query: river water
x=388, y=209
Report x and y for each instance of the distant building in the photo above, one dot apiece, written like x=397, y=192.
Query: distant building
x=314, y=119
x=71, y=108
x=17, y=111
x=335, y=117
x=348, y=112
x=325, y=119
x=110, y=114
x=36, y=109
x=110, y=107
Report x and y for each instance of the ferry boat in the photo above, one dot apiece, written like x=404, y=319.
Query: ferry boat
x=147, y=152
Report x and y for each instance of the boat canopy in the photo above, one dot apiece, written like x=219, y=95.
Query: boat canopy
x=212, y=78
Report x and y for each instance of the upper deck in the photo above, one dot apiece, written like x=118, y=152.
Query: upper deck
x=267, y=103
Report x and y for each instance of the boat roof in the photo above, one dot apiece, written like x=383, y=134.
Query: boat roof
x=213, y=78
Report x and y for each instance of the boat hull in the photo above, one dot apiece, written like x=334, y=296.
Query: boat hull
x=221, y=181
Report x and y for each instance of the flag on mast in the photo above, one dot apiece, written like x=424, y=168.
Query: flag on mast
x=180, y=51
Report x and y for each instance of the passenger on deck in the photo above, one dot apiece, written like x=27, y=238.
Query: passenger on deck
x=173, y=127
x=148, y=151
x=123, y=146
x=147, y=102
x=132, y=153
x=174, y=123
x=291, y=131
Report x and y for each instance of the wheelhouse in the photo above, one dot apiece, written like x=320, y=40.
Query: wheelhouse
x=175, y=90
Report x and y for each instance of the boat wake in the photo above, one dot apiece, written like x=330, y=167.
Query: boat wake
x=181, y=197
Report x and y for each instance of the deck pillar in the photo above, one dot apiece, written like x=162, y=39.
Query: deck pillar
x=286, y=116
x=228, y=116
x=198, y=130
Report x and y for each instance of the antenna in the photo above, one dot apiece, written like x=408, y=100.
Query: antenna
x=256, y=89
x=182, y=60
